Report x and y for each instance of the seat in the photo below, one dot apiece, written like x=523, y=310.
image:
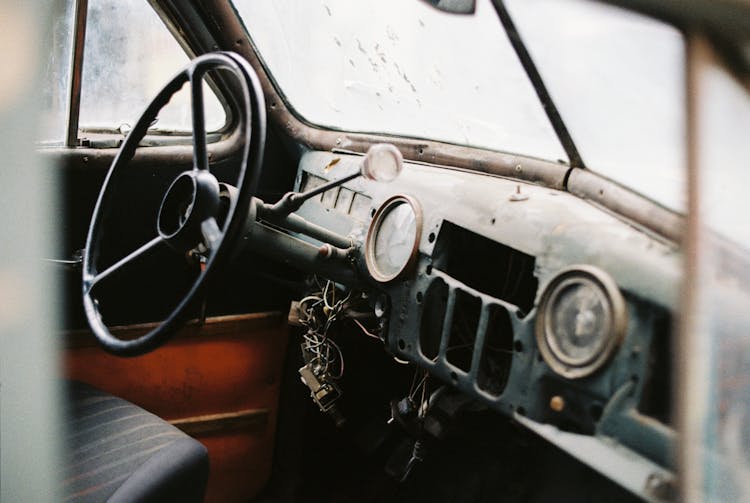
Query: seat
x=118, y=452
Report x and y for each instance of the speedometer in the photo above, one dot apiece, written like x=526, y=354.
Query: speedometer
x=393, y=238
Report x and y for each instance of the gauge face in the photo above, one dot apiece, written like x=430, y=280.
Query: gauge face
x=581, y=321
x=393, y=238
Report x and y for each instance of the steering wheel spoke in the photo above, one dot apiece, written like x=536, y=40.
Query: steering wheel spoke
x=200, y=150
x=92, y=280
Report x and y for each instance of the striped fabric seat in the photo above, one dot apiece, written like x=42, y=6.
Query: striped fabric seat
x=119, y=452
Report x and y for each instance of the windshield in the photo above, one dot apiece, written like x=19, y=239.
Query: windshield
x=404, y=68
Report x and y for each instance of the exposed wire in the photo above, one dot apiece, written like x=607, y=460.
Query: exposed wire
x=319, y=311
x=364, y=330
x=402, y=362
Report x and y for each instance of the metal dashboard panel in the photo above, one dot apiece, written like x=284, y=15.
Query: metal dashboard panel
x=558, y=230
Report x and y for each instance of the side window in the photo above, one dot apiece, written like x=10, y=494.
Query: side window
x=128, y=55
x=53, y=117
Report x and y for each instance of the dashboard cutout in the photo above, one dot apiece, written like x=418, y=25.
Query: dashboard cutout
x=433, y=315
x=479, y=329
x=463, y=334
x=487, y=266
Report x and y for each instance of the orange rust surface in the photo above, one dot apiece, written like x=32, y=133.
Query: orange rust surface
x=230, y=364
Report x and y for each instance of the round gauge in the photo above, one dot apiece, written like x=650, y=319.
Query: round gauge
x=393, y=238
x=581, y=321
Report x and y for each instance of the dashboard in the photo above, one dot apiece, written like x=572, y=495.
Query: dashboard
x=530, y=300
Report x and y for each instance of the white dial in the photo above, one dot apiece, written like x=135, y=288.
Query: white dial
x=393, y=237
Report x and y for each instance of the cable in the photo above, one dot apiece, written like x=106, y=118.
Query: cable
x=364, y=330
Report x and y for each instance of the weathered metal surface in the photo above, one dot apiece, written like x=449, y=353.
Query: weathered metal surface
x=551, y=224
x=626, y=203
x=556, y=228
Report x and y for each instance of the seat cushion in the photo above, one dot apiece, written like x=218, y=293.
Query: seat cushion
x=116, y=451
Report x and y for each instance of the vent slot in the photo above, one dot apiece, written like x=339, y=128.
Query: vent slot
x=433, y=315
x=468, y=328
x=487, y=266
x=497, y=354
x=463, y=330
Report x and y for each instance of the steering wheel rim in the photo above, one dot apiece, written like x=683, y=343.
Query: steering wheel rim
x=199, y=225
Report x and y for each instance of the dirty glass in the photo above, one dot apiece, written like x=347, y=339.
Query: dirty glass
x=722, y=309
x=617, y=78
x=401, y=67
x=55, y=84
x=128, y=57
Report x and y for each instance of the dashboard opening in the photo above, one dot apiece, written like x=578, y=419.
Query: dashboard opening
x=487, y=266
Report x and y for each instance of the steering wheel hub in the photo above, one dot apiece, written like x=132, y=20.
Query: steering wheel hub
x=191, y=199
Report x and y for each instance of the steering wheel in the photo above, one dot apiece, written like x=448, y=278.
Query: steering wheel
x=190, y=216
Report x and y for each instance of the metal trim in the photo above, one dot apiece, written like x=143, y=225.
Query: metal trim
x=76, y=71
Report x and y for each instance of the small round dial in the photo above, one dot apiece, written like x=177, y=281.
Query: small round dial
x=581, y=321
x=393, y=238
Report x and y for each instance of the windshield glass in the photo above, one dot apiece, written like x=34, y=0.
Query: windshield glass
x=401, y=67
x=617, y=79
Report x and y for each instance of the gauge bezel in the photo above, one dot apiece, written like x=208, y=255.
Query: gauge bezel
x=616, y=309
x=377, y=220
